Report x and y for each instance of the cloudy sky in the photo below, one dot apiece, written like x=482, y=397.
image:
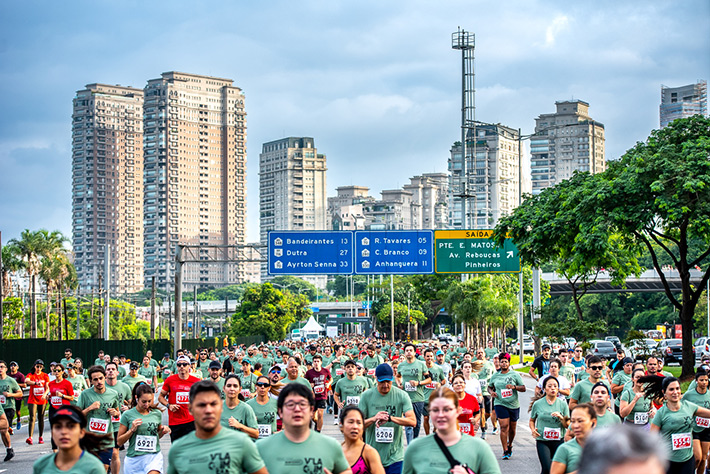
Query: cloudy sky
x=376, y=83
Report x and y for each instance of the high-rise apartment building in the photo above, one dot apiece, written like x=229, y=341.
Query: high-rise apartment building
x=567, y=141
x=195, y=175
x=346, y=209
x=107, y=186
x=684, y=101
x=493, y=187
x=429, y=200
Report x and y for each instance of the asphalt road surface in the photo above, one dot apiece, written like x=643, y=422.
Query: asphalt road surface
x=523, y=461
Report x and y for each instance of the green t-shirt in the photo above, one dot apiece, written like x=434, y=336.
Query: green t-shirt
x=147, y=372
x=87, y=464
x=100, y=362
x=312, y=456
x=568, y=454
x=550, y=428
x=506, y=397
x=121, y=372
x=396, y=403
x=642, y=405
x=10, y=385
x=700, y=399
x=299, y=379
x=265, y=416
x=608, y=419
x=350, y=391
x=413, y=371
x=437, y=375
x=679, y=425
x=243, y=413
x=371, y=363
x=490, y=352
x=485, y=373
x=78, y=383
x=228, y=451
x=133, y=381
x=567, y=371
x=327, y=360
x=66, y=362
x=582, y=392
x=248, y=382
x=99, y=420
x=425, y=457
x=147, y=435
x=124, y=394
x=620, y=378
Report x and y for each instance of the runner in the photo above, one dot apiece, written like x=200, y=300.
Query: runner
x=563, y=384
x=634, y=407
x=37, y=382
x=578, y=362
x=142, y=427
x=68, y=425
x=443, y=365
x=620, y=379
x=20, y=379
x=674, y=421
x=247, y=379
x=386, y=409
x=177, y=389
x=437, y=379
x=166, y=366
x=623, y=451
x=701, y=427
x=124, y=404
x=566, y=369
x=319, y=378
x=100, y=404
x=582, y=392
x=59, y=393
x=371, y=361
x=549, y=418
x=362, y=458
x=264, y=407
x=490, y=351
x=415, y=375
x=148, y=371
x=292, y=370
x=133, y=376
x=541, y=364
x=448, y=451
x=9, y=392
x=67, y=359
x=504, y=387
x=469, y=418
x=602, y=402
x=237, y=415
x=583, y=419
x=121, y=371
x=211, y=447
x=348, y=390
x=215, y=368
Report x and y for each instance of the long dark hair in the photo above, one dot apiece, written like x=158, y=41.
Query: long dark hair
x=139, y=390
x=655, y=386
x=235, y=377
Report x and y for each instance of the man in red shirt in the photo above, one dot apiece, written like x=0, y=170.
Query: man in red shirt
x=177, y=390
x=319, y=377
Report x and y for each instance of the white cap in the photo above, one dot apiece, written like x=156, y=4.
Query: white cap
x=183, y=358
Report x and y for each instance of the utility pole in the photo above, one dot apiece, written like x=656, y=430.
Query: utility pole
x=226, y=313
x=178, y=298
x=170, y=317
x=77, y=296
x=2, y=292
x=152, y=309
x=107, y=307
x=195, y=332
x=392, y=306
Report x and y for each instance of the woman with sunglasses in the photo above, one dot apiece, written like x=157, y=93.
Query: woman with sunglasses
x=59, y=392
x=142, y=427
x=634, y=407
x=38, y=383
x=236, y=414
x=470, y=412
x=264, y=407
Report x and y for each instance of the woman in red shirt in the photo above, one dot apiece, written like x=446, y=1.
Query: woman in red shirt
x=60, y=392
x=470, y=416
x=38, y=383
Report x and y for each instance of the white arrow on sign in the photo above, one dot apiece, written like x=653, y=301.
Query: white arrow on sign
x=510, y=254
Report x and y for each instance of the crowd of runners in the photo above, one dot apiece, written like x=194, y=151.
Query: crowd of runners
x=262, y=409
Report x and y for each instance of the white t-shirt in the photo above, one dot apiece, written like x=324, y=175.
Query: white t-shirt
x=564, y=384
x=473, y=387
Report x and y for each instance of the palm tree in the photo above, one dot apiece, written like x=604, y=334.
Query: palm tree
x=11, y=263
x=58, y=273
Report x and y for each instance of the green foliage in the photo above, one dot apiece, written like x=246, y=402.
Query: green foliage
x=400, y=314
x=339, y=286
x=267, y=311
x=568, y=325
x=12, y=317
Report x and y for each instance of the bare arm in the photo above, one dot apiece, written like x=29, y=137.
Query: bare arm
x=407, y=420
x=162, y=399
x=373, y=460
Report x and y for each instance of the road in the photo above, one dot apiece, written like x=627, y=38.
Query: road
x=523, y=461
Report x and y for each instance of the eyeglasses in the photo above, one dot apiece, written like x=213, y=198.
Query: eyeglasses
x=182, y=364
x=262, y=384
x=292, y=405
x=57, y=371
x=597, y=367
x=578, y=350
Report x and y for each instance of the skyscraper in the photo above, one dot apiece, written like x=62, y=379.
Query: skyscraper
x=567, y=141
x=107, y=185
x=683, y=101
x=292, y=187
x=195, y=174
x=493, y=184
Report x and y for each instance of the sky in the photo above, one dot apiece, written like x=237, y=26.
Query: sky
x=376, y=83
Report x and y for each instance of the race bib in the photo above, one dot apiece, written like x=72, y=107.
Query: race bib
x=408, y=387
x=246, y=393
x=338, y=371
x=182, y=398
x=166, y=373
x=38, y=391
x=97, y=425
x=702, y=422
x=465, y=428
x=371, y=372
x=146, y=443
x=115, y=419
x=2, y=400
x=552, y=434
x=577, y=370
x=55, y=401
x=431, y=386
x=641, y=418
x=149, y=381
x=319, y=388
x=264, y=431
x=681, y=441
x=384, y=434
x=352, y=401
x=484, y=385
x=506, y=393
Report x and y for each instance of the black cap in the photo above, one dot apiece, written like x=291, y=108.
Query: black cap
x=349, y=362
x=167, y=354
x=546, y=346
x=68, y=411
x=13, y=364
x=122, y=355
x=39, y=362
x=627, y=360
x=70, y=365
x=133, y=365
x=215, y=365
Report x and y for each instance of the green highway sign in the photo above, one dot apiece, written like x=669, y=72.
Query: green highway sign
x=473, y=251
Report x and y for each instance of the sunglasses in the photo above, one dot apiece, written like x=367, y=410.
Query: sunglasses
x=57, y=371
x=182, y=364
x=275, y=372
x=596, y=367
x=262, y=384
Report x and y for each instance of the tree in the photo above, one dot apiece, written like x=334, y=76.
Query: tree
x=562, y=226
x=11, y=263
x=658, y=197
x=269, y=312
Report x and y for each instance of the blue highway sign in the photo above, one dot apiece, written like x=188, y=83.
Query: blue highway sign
x=397, y=252
x=310, y=253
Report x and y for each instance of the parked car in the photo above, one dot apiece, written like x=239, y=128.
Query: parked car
x=447, y=338
x=640, y=349
x=570, y=342
x=602, y=349
x=554, y=345
x=701, y=348
x=528, y=345
x=614, y=340
x=670, y=350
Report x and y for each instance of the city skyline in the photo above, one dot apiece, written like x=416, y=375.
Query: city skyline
x=378, y=86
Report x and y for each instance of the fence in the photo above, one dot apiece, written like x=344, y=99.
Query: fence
x=217, y=343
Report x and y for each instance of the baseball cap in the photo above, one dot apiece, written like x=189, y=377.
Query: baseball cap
x=384, y=372
x=13, y=364
x=167, y=354
x=39, y=362
x=440, y=353
x=68, y=411
x=183, y=358
x=349, y=362
x=215, y=365
x=133, y=365
x=627, y=360
x=546, y=346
